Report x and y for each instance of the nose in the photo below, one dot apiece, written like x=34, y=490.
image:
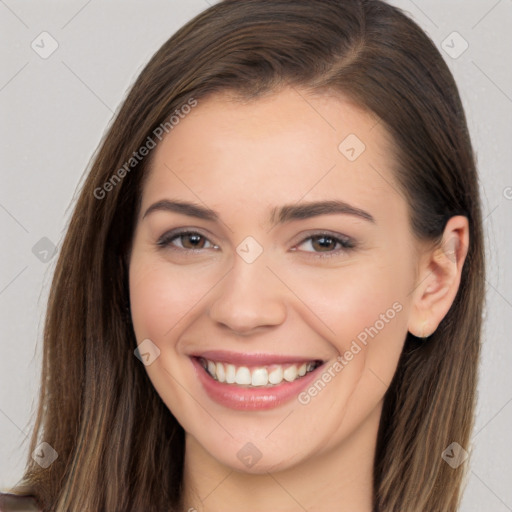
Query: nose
x=248, y=298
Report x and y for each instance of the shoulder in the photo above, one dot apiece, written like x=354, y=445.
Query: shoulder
x=15, y=503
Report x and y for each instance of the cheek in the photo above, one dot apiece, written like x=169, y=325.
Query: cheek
x=360, y=310
x=364, y=308
x=356, y=300
x=161, y=295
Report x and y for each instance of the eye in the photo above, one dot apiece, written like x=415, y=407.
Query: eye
x=326, y=244
x=186, y=240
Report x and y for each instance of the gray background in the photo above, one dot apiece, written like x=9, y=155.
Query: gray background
x=55, y=111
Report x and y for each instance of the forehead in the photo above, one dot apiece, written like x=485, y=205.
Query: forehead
x=280, y=148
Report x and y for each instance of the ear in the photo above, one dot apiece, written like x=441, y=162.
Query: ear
x=438, y=278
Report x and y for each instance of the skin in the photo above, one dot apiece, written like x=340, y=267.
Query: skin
x=242, y=160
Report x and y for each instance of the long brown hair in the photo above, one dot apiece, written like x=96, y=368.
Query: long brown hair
x=119, y=447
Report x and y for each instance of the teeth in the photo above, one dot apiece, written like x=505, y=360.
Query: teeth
x=290, y=374
x=260, y=377
x=221, y=374
x=276, y=376
x=243, y=375
x=257, y=377
x=230, y=373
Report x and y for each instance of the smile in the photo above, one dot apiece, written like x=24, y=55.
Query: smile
x=253, y=381
x=259, y=376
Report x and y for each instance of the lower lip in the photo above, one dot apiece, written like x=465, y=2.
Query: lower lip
x=255, y=398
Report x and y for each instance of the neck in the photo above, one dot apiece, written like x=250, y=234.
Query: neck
x=339, y=479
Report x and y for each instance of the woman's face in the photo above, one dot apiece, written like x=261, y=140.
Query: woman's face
x=272, y=241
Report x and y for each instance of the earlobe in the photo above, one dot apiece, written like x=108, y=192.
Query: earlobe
x=439, y=278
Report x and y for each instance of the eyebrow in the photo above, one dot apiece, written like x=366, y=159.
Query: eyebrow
x=183, y=207
x=280, y=215
x=291, y=212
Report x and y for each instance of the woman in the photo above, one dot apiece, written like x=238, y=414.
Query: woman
x=269, y=296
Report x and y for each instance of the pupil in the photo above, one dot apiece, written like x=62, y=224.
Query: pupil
x=325, y=242
x=194, y=239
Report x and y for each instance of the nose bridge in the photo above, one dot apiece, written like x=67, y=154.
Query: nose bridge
x=250, y=296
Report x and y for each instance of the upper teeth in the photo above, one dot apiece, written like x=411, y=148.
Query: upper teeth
x=257, y=376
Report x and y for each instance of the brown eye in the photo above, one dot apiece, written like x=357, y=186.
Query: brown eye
x=186, y=240
x=192, y=241
x=323, y=243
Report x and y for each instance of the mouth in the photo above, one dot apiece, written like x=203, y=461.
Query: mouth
x=253, y=381
x=257, y=376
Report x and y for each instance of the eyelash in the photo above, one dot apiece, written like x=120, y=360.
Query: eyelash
x=347, y=244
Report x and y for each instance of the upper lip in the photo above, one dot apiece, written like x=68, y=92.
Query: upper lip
x=256, y=359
